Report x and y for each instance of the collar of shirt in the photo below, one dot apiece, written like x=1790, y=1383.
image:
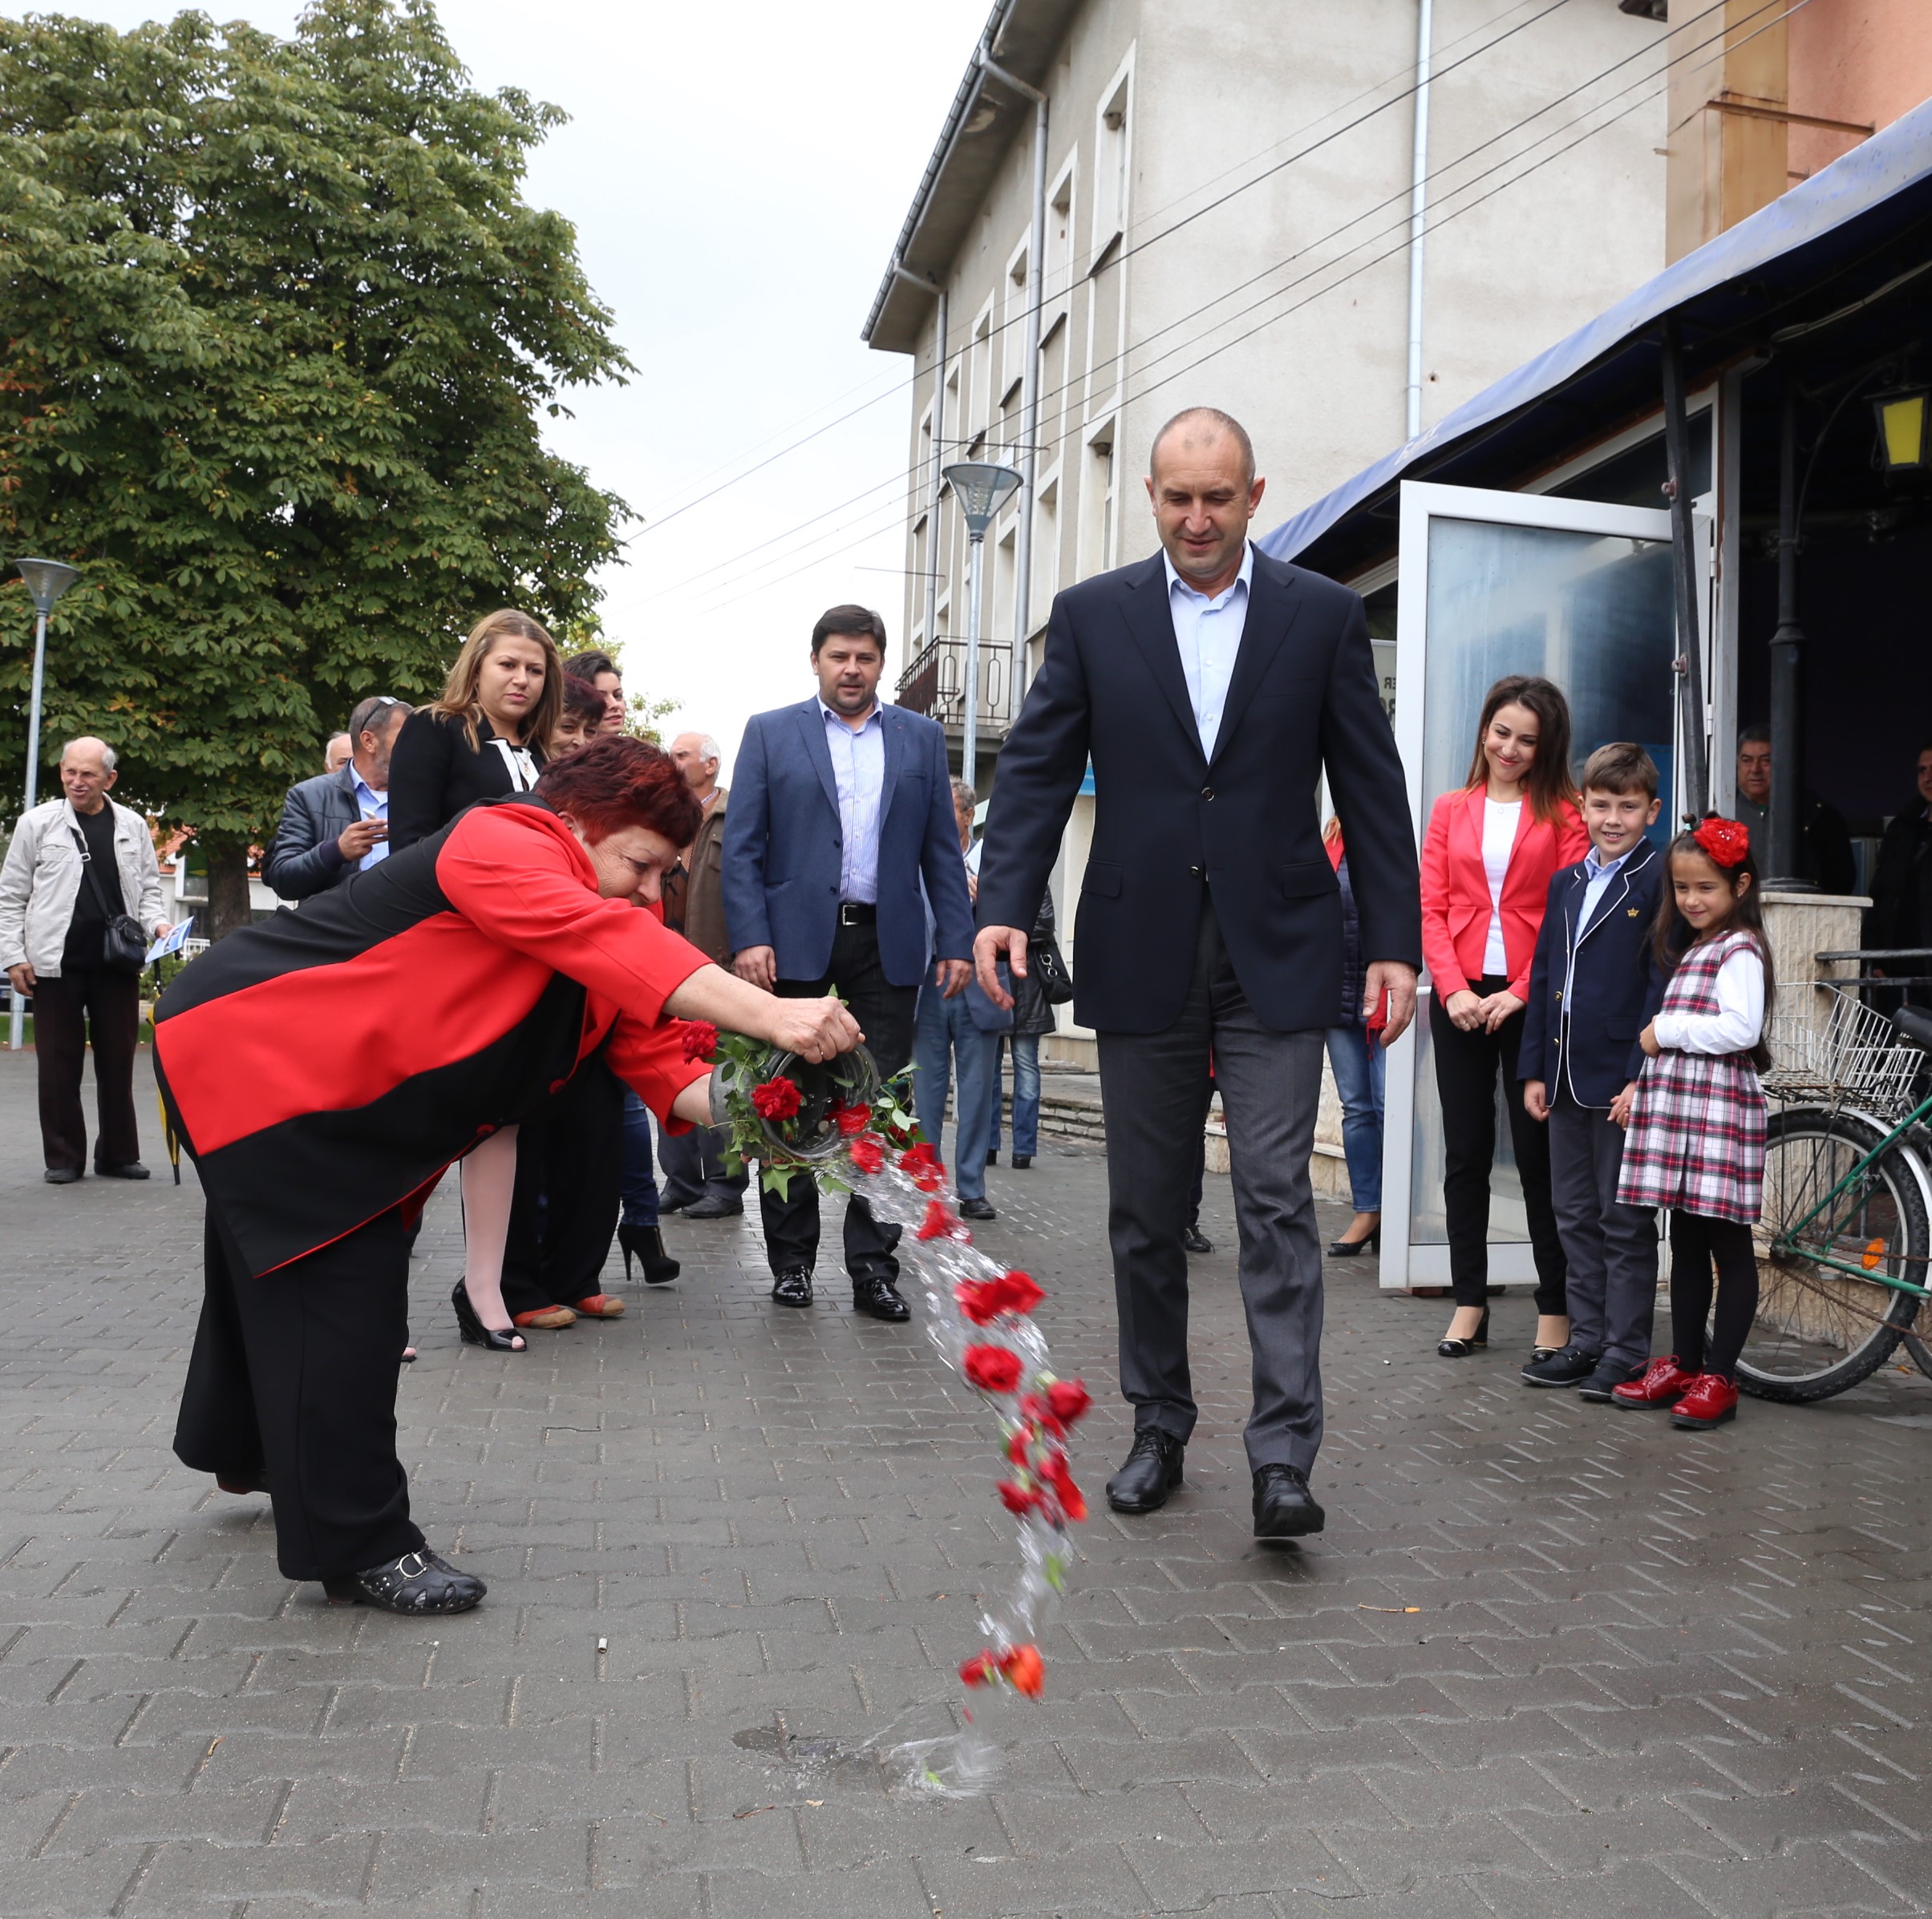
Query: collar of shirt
x=1244, y=579
x=876, y=718
x=1207, y=635
x=1601, y=868
x=370, y=801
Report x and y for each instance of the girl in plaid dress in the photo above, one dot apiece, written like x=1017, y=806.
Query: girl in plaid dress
x=1696, y=1139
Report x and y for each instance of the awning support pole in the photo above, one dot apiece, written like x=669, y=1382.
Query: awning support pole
x=1695, y=772
x=1782, y=868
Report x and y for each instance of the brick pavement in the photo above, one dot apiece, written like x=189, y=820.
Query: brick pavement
x=734, y=1552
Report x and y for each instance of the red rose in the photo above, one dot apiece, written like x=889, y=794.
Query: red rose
x=851, y=1119
x=941, y=1222
x=992, y=1368
x=1727, y=841
x=1072, y=1502
x=1018, y=1499
x=868, y=1154
x=1018, y=1447
x=1021, y=1294
x=1035, y=1406
x=979, y=1299
x=1024, y=1669
x=1069, y=1398
x=923, y=1166
x=700, y=1039
x=979, y=1671
x=776, y=1099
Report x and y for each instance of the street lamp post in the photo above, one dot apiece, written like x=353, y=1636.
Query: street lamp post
x=981, y=488
x=47, y=580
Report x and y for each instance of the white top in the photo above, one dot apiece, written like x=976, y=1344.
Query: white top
x=1739, y=1022
x=1500, y=817
x=1208, y=632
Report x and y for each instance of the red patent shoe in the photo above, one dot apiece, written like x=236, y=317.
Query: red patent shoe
x=1710, y=1400
x=1663, y=1382
x=599, y=1306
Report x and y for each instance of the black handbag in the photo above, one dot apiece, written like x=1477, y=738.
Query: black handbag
x=1048, y=965
x=124, y=946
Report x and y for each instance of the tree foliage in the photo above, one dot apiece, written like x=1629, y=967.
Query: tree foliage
x=278, y=333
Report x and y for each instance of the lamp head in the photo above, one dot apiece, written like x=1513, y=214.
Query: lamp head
x=47, y=580
x=981, y=488
x=1904, y=430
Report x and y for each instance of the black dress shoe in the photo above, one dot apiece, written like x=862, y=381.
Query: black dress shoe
x=418, y=1582
x=61, y=1176
x=1284, y=1508
x=1609, y=1375
x=713, y=1206
x=1148, y=1474
x=877, y=1295
x=1197, y=1242
x=992, y=1159
x=977, y=1209
x=132, y=1169
x=793, y=1287
x=1461, y=1349
x=1570, y=1367
x=1021, y=1161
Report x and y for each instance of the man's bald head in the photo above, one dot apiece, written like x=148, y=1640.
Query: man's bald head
x=696, y=756
x=1195, y=430
x=86, y=773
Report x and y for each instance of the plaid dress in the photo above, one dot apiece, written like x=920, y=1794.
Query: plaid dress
x=1696, y=1138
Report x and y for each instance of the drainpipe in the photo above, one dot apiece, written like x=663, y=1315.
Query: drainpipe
x=1419, y=194
x=932, y=513
x=1695, y=778
x=1781, y=869
x=1030, y=388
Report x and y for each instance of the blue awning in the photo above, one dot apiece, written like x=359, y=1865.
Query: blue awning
x=1848, y=220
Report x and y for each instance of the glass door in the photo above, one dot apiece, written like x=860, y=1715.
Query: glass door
x=1493, y=583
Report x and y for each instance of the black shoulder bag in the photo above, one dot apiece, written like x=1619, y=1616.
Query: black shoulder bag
x=1048, y=965
x=124, y=946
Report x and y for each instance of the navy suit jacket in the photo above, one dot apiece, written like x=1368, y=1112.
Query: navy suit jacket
x=1172, y=824
x=1590, y=1034
x=783, y=846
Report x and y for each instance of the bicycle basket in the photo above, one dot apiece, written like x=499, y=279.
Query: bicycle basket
x=1856, y=1056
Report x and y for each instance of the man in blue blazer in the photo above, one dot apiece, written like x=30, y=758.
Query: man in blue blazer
x=1593, y=986
x=839, y=806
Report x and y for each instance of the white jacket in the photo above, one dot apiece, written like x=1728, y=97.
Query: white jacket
x=41, y=879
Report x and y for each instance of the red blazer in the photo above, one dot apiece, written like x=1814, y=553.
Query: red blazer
x=1456, y=889
x=328, y=1064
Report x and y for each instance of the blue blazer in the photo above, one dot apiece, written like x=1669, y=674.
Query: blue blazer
x=783, y=846
x=1615, y=985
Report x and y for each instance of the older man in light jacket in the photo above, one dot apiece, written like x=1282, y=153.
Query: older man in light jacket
x=73, y=864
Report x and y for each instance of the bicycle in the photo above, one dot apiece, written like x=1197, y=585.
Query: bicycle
x=1846, y=1236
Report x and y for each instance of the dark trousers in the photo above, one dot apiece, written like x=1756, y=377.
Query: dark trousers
x=1467, y=1065
x=1270, y=1086
x=563, y=1212
x=884, y=1013
x=84, y=1004
x=293, y=1384
x=694, y=1169
x=1611, y=1249
x=1200, y=1152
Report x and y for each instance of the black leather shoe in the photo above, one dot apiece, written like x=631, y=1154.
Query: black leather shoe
x=977, y=1209
x=1609, y=1375
x=1284, y=1508
x=712, y=1207
x=61, y=1176
x=878, y=1296
x=418, y=1582
x=1148, y=1474
x=1197, y=1242
x=793, y=1287
x=1021, y=1161
x=647, y=1243
x=1571, y=1366
x=992, y=1159
x=132, y=1170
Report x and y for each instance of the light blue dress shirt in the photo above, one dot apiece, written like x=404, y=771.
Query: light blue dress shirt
x=372, y=805
x=858, y=767
x=1208, y=632
x=1598, y=884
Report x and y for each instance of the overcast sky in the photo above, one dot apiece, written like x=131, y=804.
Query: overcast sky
x=737, y=175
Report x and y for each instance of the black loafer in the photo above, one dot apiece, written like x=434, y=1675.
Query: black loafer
x=1197, y=1242
x=1284, y=1508
x=1610, y=1375
x=132, y=1170
x=61, y=1176
x=1571, y=1366
x=1021, y=1161
x=710, y=1207
x=877, y=1296
x=418, y=1582
x=793, y=1287
x=977, y=1209
x=1149, y=1473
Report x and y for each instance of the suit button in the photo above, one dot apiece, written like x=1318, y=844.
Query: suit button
x=1207, y=792
x=1198, y=873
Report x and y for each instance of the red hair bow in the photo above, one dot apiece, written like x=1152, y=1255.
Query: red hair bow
x=1727, y=841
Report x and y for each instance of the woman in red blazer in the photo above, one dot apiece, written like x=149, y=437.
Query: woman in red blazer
x=324, y=1069
x=1488, y=858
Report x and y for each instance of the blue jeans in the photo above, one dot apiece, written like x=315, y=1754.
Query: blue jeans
x=1360, y=1070
x=1025, y=1051
x=639, y=1184
x=944, y=1030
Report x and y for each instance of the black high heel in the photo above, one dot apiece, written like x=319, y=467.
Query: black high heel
x=1352, y=1248
x=647, y=1243
x=1461, y=1349
x=476, y=1332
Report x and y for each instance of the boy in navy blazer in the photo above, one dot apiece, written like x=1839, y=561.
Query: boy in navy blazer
x=1592, y=987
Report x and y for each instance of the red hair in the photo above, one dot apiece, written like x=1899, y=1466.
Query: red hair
x=617, y=781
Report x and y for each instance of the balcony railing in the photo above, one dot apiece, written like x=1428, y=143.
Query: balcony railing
x=934, y=684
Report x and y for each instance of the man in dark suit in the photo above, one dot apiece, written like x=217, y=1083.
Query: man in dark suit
x=1209, y=687
x=839, y=806
x=338, y=823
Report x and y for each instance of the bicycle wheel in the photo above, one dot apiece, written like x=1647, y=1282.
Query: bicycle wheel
x=1818, y=1330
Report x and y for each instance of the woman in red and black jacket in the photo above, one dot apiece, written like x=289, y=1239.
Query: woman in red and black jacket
x=1488, y=857
x=324, y=1068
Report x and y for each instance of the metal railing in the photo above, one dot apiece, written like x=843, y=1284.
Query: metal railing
x=934, y=684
